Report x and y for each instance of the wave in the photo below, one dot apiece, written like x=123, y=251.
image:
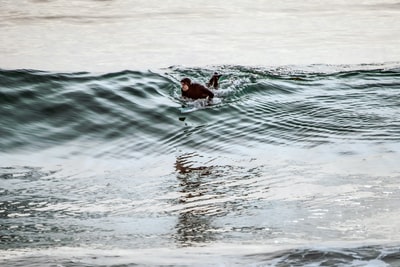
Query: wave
x=361, y=256
x=132, y=112
x=357, y=256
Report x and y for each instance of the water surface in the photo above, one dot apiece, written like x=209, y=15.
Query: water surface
x=89, y=35
x=294, y=163
x=286, y=167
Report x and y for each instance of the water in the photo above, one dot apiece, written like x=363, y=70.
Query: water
x=294, y=163
x=285, y=167
x=114, y=35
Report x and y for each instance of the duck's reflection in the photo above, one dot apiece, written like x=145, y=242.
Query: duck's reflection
x=194, y=220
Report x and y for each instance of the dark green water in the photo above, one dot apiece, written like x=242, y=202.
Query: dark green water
x=288, y=166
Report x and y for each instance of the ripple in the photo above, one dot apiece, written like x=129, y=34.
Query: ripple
x=128, y=113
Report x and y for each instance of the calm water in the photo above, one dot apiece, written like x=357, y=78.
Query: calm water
x=293, y=164
x=114, y=35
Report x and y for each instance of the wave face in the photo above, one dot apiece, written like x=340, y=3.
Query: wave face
x=129, y=113
x=290, y=166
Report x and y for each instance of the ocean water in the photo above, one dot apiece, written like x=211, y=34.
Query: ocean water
x=293, y=163
x=115, y=35
x=284, y=168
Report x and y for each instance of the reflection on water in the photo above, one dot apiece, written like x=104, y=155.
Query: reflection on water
x=279, y=161
x=184, y=166
x=213, y=195
x=194, y=223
